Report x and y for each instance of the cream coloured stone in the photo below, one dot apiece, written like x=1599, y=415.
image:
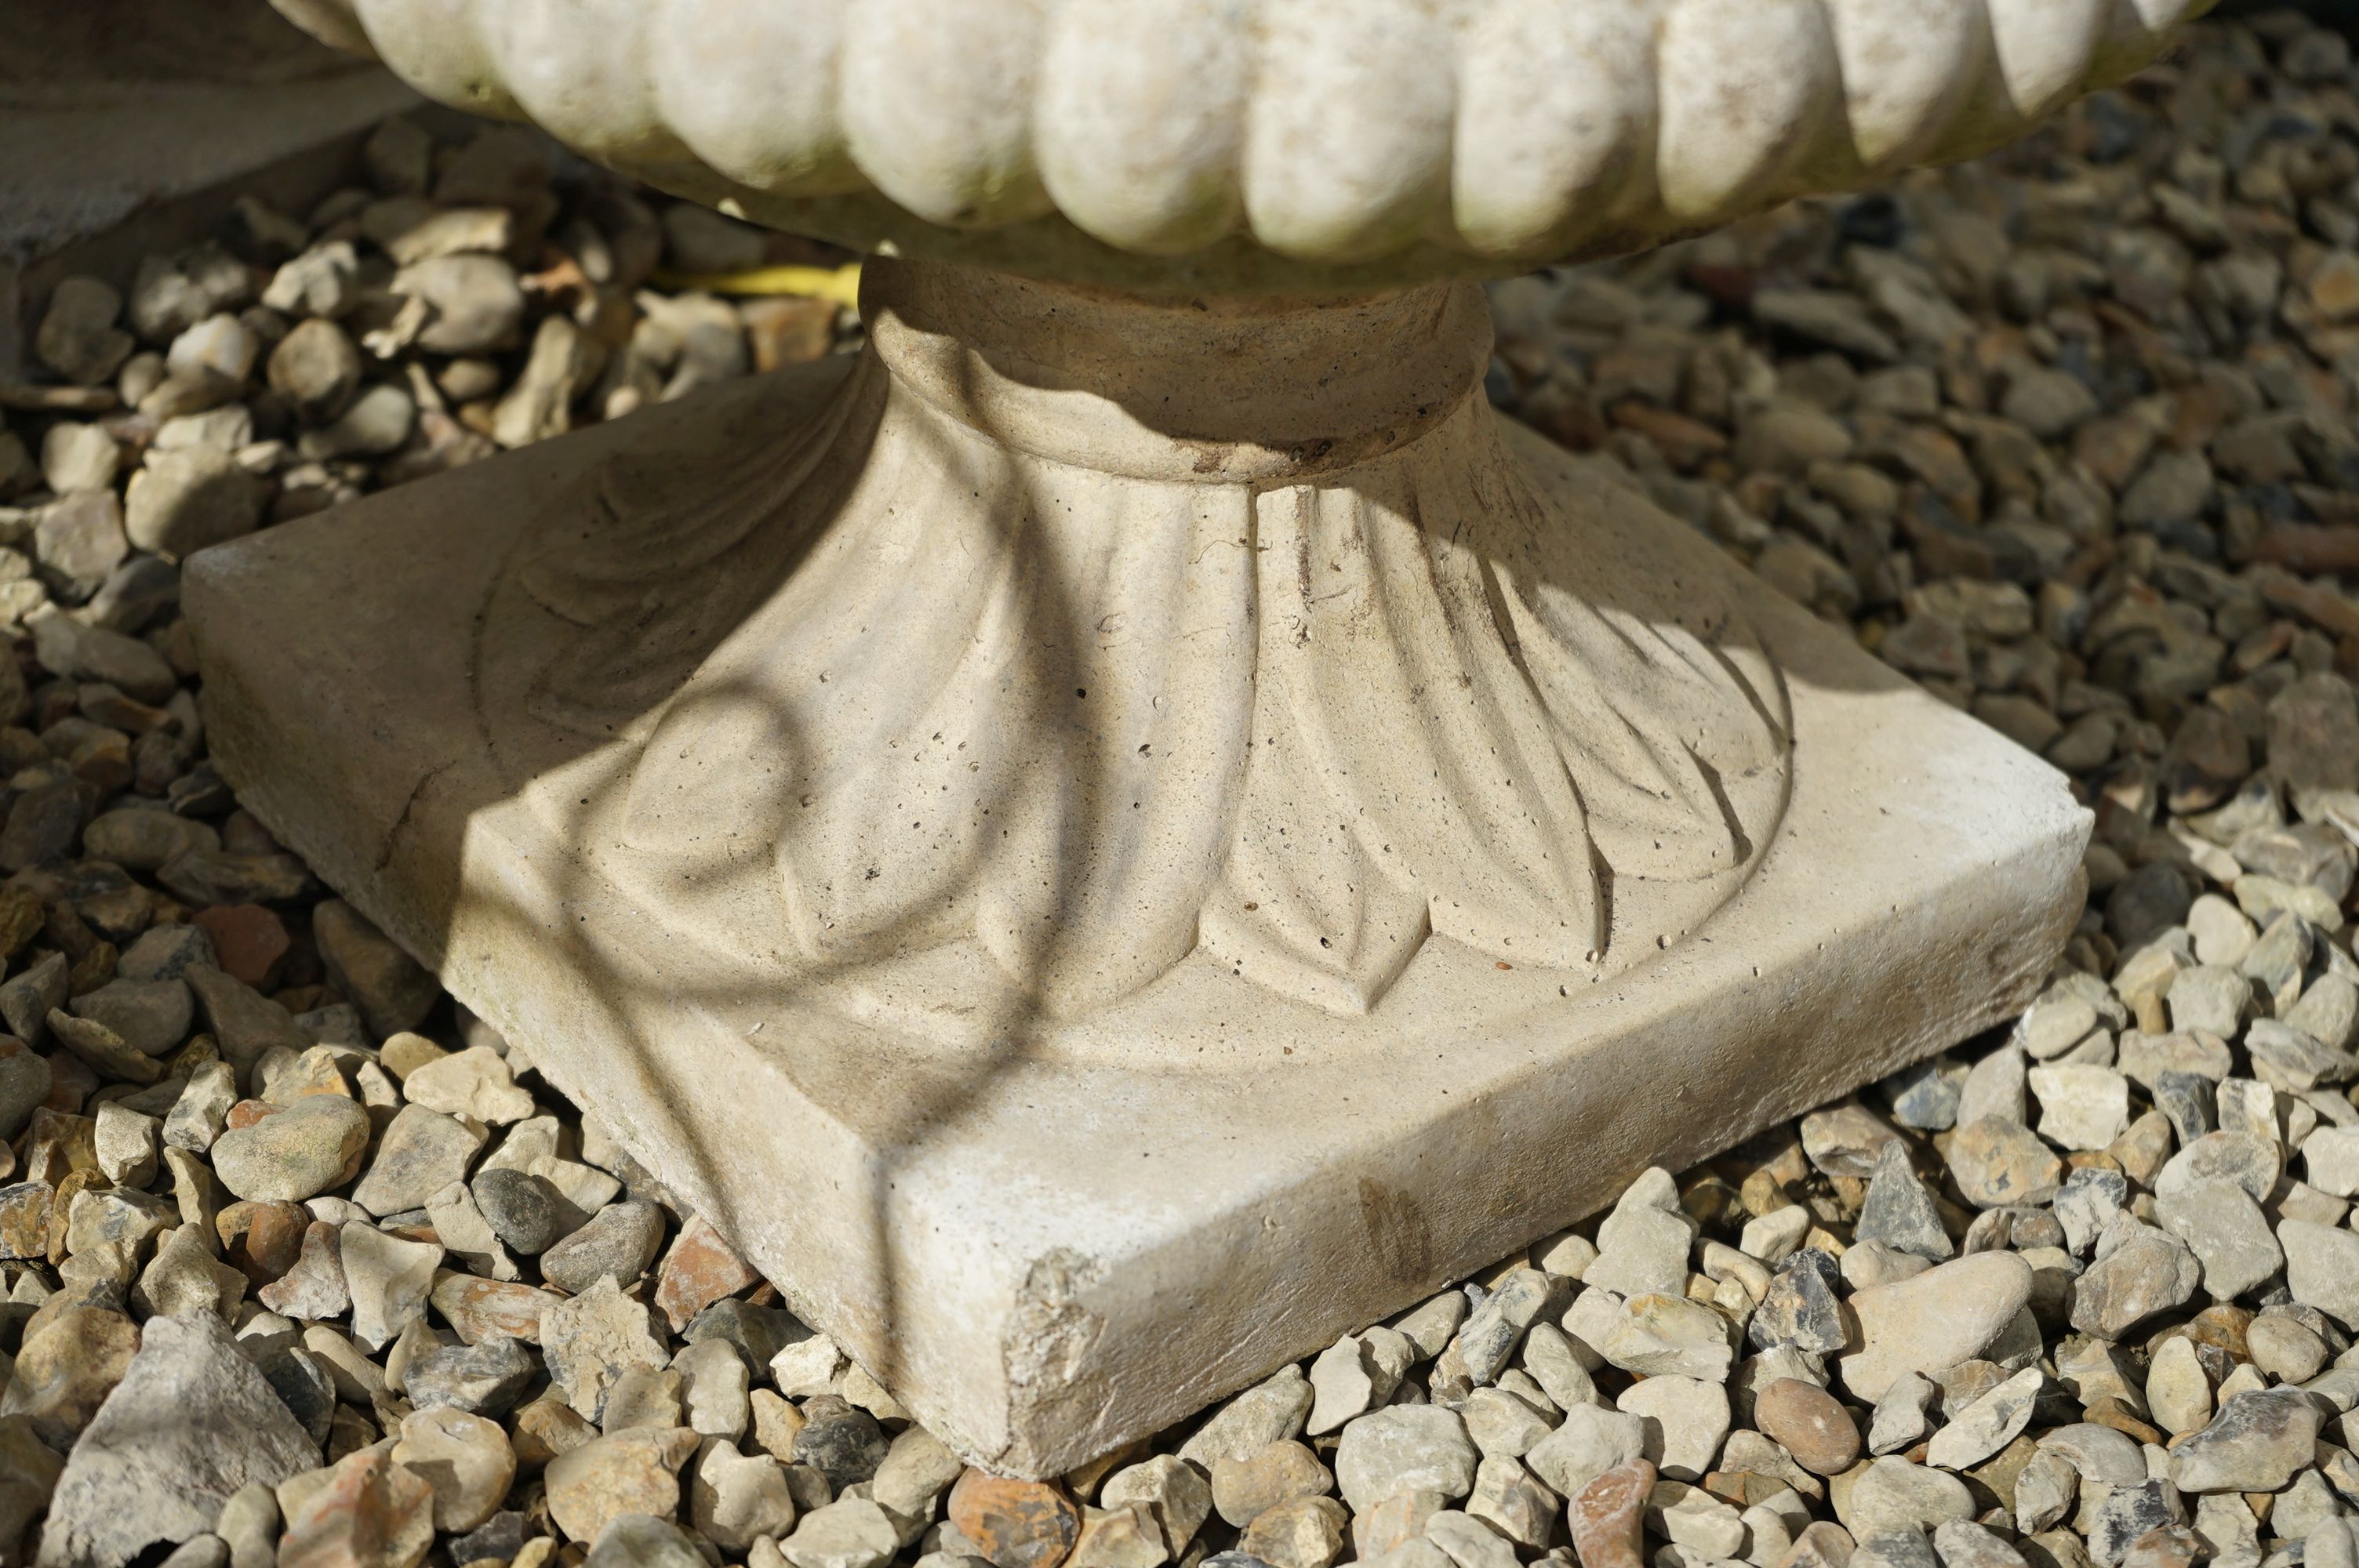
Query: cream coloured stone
x=1181, y=762
x=1991, y=838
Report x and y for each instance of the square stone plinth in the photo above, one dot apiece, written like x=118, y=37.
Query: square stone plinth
x=1046, y=1249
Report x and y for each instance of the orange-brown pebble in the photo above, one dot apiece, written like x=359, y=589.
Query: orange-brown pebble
x=700, y=1268
x=1017, y=1524
x=1607, y=1517
x=262, y=1239
x=1811, y=1423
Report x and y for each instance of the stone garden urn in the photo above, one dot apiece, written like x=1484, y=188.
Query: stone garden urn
x=1137, y=827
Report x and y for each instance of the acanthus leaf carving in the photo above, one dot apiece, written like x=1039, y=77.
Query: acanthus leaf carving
x=917, y=708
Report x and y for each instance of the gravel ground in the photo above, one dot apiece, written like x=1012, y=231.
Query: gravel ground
x=305, y=1266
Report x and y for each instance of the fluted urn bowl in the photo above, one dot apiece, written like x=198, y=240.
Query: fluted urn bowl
x=1089, y=838
x=1226, y=145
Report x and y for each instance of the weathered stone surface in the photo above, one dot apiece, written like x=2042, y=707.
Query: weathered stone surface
x=699, y=1270
x=368, y=1511
x=419, y=1154
x=65, y=1371
x=619, y=1241
x=295, y=1154
x=631, y=1472
x=1934, y=1321
x=1405, y=1448
x=2257, y=1442
x=591, y=1339
x=2138, y=1273
x=2322, y=1268
x=1269, y=1411
x=191, y=1424
x=1590, y=1441
x=464, y=1459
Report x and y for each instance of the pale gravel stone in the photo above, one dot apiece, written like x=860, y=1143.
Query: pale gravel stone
x=1589, y=1441
x=388, y=1278
x=422, y=1152
x=1947, y=1315
x=1996, y=1086
x=2178, y=1392
x=461, y=1229
x=1988, y=1425
x=1558, y=1366
x=464, y=1459
x=1270, y=1411
x=2323, y=1268
x=1896, y=1495
x=1773, y=1237
x=1643, y=1245
x=852, y=1532
x=191, y=1423
x=734, y=1498
x=1403, y=1447
x=1500, y=1423
x=2226, y=1230
x=2081, y=1107
x=2257, y=1442
x=920, y=1467
x=1513, y=1501
x=1901, y=1419
x=2331, y=1160
x=2044, y=1490
x=1686, y=1421
x=593, y=1339
x=713, y=1388
x=1429, y=1326
x=810, y=1366
x=1341, y=1386
x=475, y=1082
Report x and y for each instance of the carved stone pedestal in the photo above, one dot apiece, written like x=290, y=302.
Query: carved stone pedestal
x=1108, y=842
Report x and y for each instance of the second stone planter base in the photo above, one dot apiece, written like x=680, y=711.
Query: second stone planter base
x=1110, y=843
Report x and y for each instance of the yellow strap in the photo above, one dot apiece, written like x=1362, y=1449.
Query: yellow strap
x=840, y=284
